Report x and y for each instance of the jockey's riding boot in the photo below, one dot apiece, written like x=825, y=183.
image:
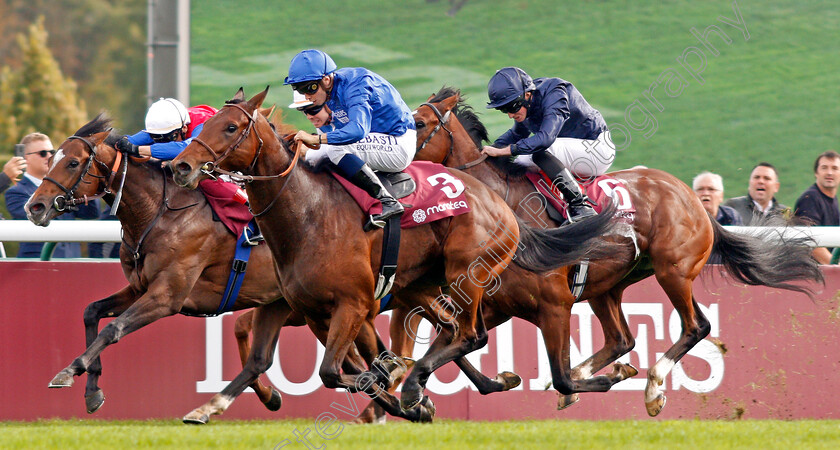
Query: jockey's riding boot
x=369, y=182
x=578, y=203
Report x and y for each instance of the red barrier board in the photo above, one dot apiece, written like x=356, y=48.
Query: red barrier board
x=771, y=354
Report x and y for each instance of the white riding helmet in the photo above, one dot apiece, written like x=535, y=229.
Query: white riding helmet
x=300, y=101
x=165, y=115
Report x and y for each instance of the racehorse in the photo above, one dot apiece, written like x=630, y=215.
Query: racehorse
x=328, y=262
x=175, y=256
x=674, y=238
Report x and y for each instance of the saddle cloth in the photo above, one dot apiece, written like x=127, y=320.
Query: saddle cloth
x=597, y=189
x=439, y=194
x=219, y=195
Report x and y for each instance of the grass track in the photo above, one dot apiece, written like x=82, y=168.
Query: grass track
x=444, y=434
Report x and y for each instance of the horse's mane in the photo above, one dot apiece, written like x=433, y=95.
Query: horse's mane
x=477, y=131
x=98, y=124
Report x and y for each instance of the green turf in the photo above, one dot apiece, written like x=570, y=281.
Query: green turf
x=772, y=97
x=444, y=434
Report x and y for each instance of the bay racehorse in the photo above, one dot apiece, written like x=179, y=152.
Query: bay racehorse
x=674, y=235
x=175, y=256
x=328, y=262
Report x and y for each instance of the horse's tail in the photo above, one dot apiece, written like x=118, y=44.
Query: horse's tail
x=542, y=250
x=767, y=258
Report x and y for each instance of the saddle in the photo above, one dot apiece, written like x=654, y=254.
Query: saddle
x=399, y=184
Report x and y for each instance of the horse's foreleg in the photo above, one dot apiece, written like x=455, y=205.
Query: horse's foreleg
x=111, y=306
x=695, y=327
x=618, y=340
x=402, y=324
x=503, y=381
x=267, y=321
x=147, y=309
x=242, y=327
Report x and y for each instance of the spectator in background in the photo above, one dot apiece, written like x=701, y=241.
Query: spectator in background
x=760, y=201
x=37, y=152
x=818, y=204
x=709, y=189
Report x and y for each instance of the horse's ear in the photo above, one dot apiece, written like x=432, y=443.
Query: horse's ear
x=268, y=112
x=430, y=98
x=98, y=138
x=257, y=100
x=449, y=103
x=240, y=95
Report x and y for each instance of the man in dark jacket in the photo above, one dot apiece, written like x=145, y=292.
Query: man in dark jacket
x=818, y=204
x=760, y=201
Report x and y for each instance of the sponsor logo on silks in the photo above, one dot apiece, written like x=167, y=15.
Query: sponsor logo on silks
x=445, y=207
x=419, y=216
x=341, y=116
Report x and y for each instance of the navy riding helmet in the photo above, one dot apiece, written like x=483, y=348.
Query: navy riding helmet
x=309, y=65
x=508, y=84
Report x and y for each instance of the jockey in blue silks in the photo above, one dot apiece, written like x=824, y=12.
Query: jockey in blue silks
x=374, y=128
x=555, y=128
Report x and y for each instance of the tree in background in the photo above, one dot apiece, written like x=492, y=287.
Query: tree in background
x=99, y=43
x=36, y=96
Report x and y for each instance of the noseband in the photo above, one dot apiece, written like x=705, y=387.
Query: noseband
x=68, y=201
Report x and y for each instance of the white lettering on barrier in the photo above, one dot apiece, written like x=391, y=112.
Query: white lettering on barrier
x=654, y=312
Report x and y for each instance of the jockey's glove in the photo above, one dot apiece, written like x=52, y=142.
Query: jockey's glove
x=124, y=145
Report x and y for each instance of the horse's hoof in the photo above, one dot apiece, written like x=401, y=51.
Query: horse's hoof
x=655, y=407
x=275, y=402
x=623, y=371
x=509, y=380
x=62, y=380
x=94, y=401
x=196, y=419
x=566, y=401
x=427, y=410
x=410, y=398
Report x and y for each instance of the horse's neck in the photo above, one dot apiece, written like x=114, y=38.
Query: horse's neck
x=466, y=151
x=142, y=198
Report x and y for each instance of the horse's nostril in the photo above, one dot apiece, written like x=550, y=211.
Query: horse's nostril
x=36, y=208
x=184, y=168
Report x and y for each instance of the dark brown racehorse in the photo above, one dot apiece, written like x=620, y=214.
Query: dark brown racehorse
x=176, y=258
x=328, y=262
x=675, y=237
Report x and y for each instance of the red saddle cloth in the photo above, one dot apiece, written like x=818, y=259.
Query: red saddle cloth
x=439, y=194
x=219, y=195
x=598, y=190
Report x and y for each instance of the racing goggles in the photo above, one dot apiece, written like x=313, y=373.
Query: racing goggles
x=312, y=110
x=514, y=106
x=306, y=87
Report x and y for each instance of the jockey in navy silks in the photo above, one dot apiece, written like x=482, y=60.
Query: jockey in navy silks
x=555, y=130
x=374, y=128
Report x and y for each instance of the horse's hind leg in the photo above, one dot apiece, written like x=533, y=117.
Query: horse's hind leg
x=111, y=306
x=695, y=327
x=554, y=325
x=618, y=340
x=267, y=321
x=269, y=396
x=145, y=310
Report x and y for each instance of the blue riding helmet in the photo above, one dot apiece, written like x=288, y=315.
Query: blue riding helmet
x=508, y=84
x=309, y=65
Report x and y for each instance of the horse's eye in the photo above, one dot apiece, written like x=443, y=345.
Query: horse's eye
x=419, y=124
x=73, y=164
x=231, y=128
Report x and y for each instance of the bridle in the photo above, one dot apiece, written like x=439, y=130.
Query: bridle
x=442, y=120
x=213, y=166
x=68, y=201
